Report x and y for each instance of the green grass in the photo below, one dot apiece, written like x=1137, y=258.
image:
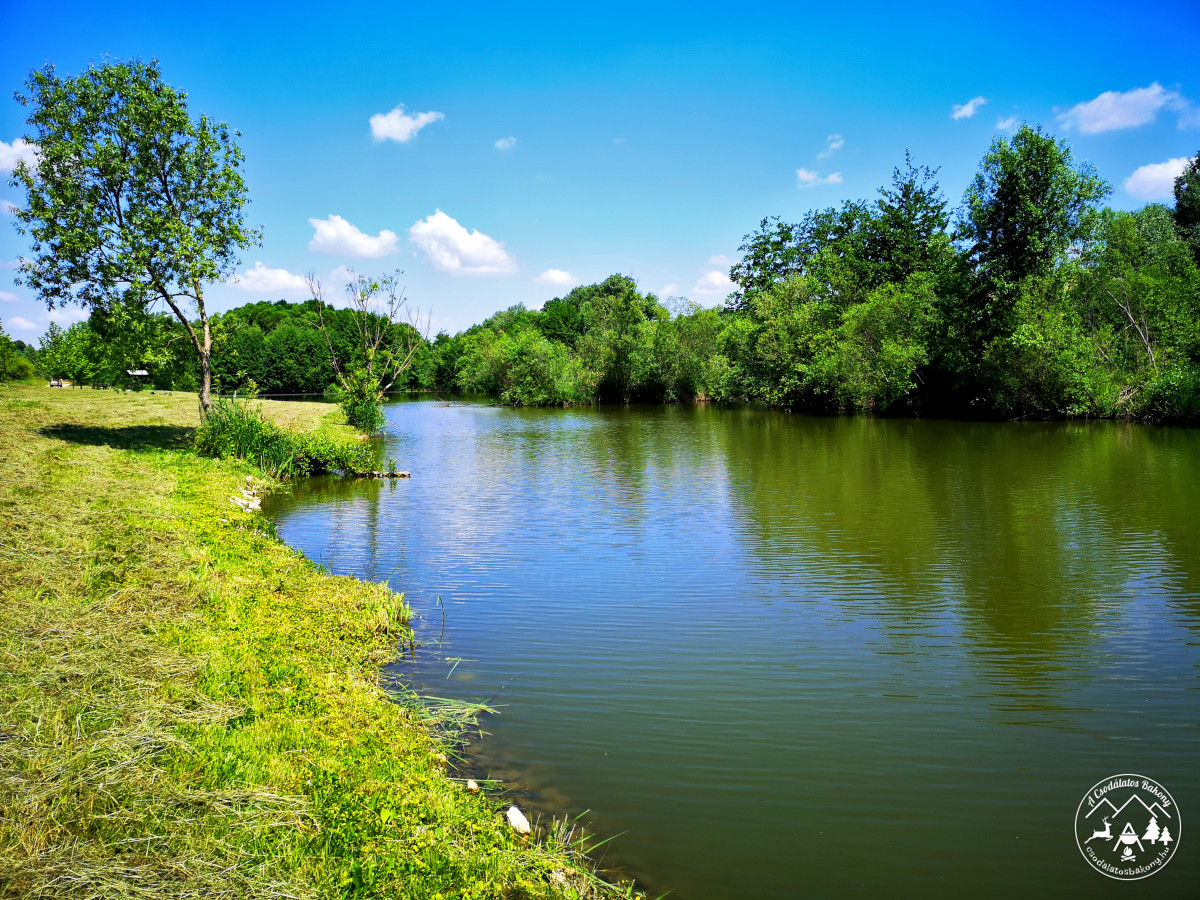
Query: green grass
x=188, y=708
x=239, y=429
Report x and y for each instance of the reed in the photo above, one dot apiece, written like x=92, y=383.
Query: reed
x=237, y=429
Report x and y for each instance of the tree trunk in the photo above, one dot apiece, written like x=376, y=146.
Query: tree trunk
x=206, y=371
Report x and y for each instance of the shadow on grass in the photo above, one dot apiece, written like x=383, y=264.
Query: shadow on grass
x=131, y=437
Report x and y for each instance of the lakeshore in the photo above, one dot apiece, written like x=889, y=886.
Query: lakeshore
x=191, y=708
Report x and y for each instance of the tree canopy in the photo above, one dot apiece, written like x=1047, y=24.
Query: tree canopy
x=131, y=201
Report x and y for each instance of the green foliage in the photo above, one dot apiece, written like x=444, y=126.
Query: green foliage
x=1187, y=205
x=1026, y=206
x=362, y=401
x=524, y=368
x=13, y=365
x=131, y=200
x=237, y=429
x=1039, y=305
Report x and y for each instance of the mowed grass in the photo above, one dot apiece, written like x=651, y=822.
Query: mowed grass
x=188, y=708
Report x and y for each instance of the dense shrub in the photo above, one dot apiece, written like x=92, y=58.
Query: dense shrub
x=362, y=401
x=236, y=428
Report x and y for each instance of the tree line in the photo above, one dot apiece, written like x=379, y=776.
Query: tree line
x=1029, y=299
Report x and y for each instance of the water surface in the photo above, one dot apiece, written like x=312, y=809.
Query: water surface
x=787, y=656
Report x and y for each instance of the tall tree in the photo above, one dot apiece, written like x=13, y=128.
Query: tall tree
x=1187, y=205
x=909, y=215
x=1027, y=204
x=130, y=200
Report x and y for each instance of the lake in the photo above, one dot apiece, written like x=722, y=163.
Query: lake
x=788, y=656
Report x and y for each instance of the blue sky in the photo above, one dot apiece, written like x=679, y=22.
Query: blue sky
x=501, y=153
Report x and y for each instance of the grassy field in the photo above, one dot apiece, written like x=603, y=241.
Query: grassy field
x=188, y=708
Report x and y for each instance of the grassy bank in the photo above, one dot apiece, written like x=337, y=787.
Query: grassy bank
x=189, y=708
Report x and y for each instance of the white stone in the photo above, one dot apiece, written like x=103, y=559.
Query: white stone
x=517, y=820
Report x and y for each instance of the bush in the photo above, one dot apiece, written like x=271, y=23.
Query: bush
x=234, y=428
x=362, y=402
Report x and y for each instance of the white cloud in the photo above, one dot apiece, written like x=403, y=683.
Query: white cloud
x=805, y=178
x=506, y=143
x=720, y=259
x=1157, y=180
x=264, y=280
x=6, y=297
x=11, y=154
x=668, y=290
x=19, y=323
x=833, y=143
x=452, y=249
x=968, y=109
x=1117, y=109
x=336, y=236
x=712, y=286
x=400, y=126
x=7, y=208
x=68, y=315
x=1008, y=123
x=557, y=278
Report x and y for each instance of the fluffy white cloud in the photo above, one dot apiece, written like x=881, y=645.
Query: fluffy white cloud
x=7, y=208
x=668, y=290
x=720, y=259
x=264, y=280
x=1008, y=123
x=336, y=236
x=712, y=286
x=20, y=323
x=833, y=143
x=11, y=154
x=68, y=315
x=399, y=125
x=6, y=297
x=805, y=178
x=506, y=143
x=1117, y=109
x=557, y=278
x=1157, y=180
x=968, y=109
x=452, y=249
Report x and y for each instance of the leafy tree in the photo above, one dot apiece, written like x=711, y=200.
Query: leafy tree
x=130, y=200
x=1027, y=204
x=774, y=253
x=13, y=365
x=67, y=354
x=909, y=217
x=388, y=345
x=129, y=337
x=1187, y=205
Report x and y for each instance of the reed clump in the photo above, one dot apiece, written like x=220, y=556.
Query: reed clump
x=188, y=708
x=237, y=428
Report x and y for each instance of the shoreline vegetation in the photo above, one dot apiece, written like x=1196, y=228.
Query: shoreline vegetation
x=1028, y=300
x=191, y=708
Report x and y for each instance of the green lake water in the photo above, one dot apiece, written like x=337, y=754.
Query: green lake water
x=785, y=656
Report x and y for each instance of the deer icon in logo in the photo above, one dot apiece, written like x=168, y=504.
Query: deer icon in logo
x=1106, y=833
